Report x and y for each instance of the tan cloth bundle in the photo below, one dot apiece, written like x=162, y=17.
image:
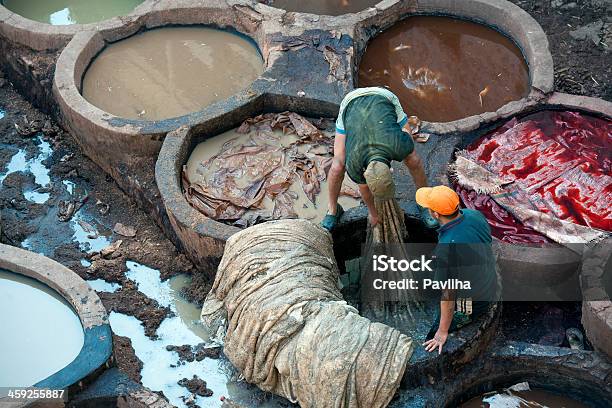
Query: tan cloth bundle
x=288, y=329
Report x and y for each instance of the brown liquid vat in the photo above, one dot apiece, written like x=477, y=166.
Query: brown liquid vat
x=205, y=168
x=493, y=18
x=110, y=140
x=170, y=72
x=444, y=69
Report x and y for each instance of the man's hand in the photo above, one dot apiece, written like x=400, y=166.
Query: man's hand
x=437, y=342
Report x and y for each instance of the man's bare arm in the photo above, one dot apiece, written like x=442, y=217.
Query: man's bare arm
x=447, y=312
x=335, y=177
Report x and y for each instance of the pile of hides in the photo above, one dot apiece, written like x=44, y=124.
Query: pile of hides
x=550, y=172
x=265, y=168
x=288, y=329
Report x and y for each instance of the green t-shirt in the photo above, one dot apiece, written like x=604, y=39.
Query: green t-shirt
x=373, y=134
x=464, y=252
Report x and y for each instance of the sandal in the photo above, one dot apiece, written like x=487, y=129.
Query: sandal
x=330, y=221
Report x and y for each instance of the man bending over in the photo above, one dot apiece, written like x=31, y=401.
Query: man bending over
x=371, y=127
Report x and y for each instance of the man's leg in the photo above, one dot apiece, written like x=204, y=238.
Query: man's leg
x=335, y=177
x=415, y=166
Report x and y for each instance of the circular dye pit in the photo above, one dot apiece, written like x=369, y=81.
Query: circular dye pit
x=66, y=12
x=322, y=7
x=264, y=174
x=556, y=163
x=41, y=333
x=170, y=72
x=444, y=69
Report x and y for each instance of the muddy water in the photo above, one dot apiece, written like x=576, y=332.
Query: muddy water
x=161, y=368
x=303, y=206
x=444, y=69
x=41, y=334
x=169, y=72
x=323, y=7
x=524, y=399
x=168, y=294
x=65, y=12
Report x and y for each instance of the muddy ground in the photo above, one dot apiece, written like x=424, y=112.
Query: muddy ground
x=39, y=228
x=580, y=37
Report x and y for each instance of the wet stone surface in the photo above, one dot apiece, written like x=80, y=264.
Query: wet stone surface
x=85, y=241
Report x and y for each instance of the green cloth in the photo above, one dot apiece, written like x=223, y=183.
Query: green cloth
x=464, y=252
x=373, y=134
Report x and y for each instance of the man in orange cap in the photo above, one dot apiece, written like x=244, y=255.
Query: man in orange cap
x=464, y=248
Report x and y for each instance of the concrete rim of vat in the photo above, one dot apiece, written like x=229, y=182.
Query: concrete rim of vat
x=300, y=16
x=575, y=373
x=502, y=15
x=462, y=347
x=597, y=314
x=110, y=140
x=97, y=343
x=41, y=36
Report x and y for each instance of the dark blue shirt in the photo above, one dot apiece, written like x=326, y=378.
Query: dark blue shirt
x=470, y=227
x=464, y=252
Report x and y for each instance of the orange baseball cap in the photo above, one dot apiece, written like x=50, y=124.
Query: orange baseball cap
x=440, y=199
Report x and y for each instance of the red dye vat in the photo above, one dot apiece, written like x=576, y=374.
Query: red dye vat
x=561, y=160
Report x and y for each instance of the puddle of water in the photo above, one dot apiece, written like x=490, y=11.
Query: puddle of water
x=70, y=186
x=36, y=197
x=2, y=113
x=85, y=263
x=19, y=163
x=161, y=371
x=100, y=285
x=87, y=235
x=168, y=294
x=33, y=344
x=38, y=169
